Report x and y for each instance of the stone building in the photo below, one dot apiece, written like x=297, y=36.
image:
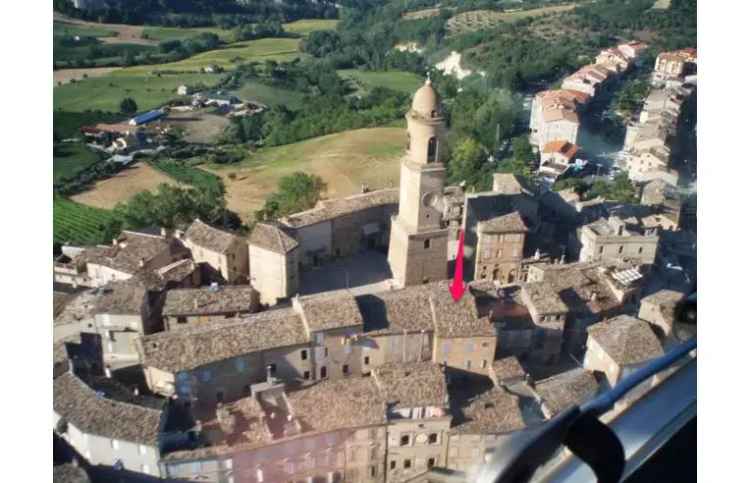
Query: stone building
x=589, y=79
x=565, y=299
x=210, y=363
x=188, y=306
x=130, y=253
x=225, y=253
x=556, y=157
x=561, y=391
x=674, y=65
x=495, y=226
x=616, y=238
x=660, y=309
x=418, y=248
x=500, y=248
x=274, y=268
x=554, y=116
x=105, y=430
x=344, y=226
x=620, y=345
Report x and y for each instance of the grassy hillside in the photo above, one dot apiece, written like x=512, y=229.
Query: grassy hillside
x=79, y=224
x=160, y=34
x=69, y=159
x=240, y=52
x=305, y=26
x=62, y=29
x=344, y=160
x=106, y=92
x=269, y=95
x=392, y=79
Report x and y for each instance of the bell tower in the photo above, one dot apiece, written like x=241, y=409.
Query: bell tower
x=417, y=252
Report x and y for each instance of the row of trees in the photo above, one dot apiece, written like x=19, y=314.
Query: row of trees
x=199, y=13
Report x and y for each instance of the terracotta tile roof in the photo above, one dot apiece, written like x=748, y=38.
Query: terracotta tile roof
x=509, y=184
x=80, y=307
x=94, y=414
x=626, y=340
x=395, y=312
x=563, y=147
x=330, y=209
x=210, y=238
x=560, y=114
x=457, y=319
x=494, y=412
x=131, y=251
x=122, y=297
x=69, y=473
x=203, y=344
x=505, y=369
x=414, y=384
x=567, y=389
x=330, y=311
x=206, y=300
x=273, y=238
x=509, y=223
x=344, y=403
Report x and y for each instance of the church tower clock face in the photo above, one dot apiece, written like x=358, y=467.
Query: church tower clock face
x=430, y=199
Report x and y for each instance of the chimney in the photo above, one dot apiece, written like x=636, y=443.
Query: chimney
x=269, y=375
x=195, y=304
x=537, y=254
x=107, y=372
x=562, y=259
x=142, y=262
x=136, y=391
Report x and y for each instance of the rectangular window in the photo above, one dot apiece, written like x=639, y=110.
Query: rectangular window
x=182, y=320
x=601, y=250
x=373, y=471
x=325, y=352
x=306, y=375
x=405, y=440
x=323, y=372
x=430, y=462
x=367, y=360
x=393, y=465
x=468, y=364
x=407, y=464
x=619, y=250
x=484, y=363
x=303, y=354
x=345, y=369
x=427, y=244
x=432, y=438
x=640, y=250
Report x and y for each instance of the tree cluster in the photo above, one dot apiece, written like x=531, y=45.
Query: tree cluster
x=295, y=192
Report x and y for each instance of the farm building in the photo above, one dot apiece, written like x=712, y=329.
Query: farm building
x=147, y=117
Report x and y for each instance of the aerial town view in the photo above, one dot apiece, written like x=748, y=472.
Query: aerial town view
x=374, y=240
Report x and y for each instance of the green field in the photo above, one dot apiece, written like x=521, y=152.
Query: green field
x=305, y=26
x=176, y=33
x=69, y=159
x=392, y=79
x=105, y=93
x=344, y=161
x=79, y=224
x=269, y=95
x=62, y=29
x=68, y=124
x=240, y=52
x=184, y=173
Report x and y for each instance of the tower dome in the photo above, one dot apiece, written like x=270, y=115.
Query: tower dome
x=426, y=101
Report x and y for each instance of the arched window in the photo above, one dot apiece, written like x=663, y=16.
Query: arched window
x=432, y=146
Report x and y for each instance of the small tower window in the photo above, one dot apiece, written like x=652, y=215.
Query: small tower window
x=432, y=146
x=427, y=244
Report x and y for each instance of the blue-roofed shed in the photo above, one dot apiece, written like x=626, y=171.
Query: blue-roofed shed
x=147, y=117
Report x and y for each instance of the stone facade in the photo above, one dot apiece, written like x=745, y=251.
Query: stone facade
x=615, y=238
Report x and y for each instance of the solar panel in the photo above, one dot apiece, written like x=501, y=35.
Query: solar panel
x=626, y=277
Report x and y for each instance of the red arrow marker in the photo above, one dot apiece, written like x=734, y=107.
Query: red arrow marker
x=457, y=287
